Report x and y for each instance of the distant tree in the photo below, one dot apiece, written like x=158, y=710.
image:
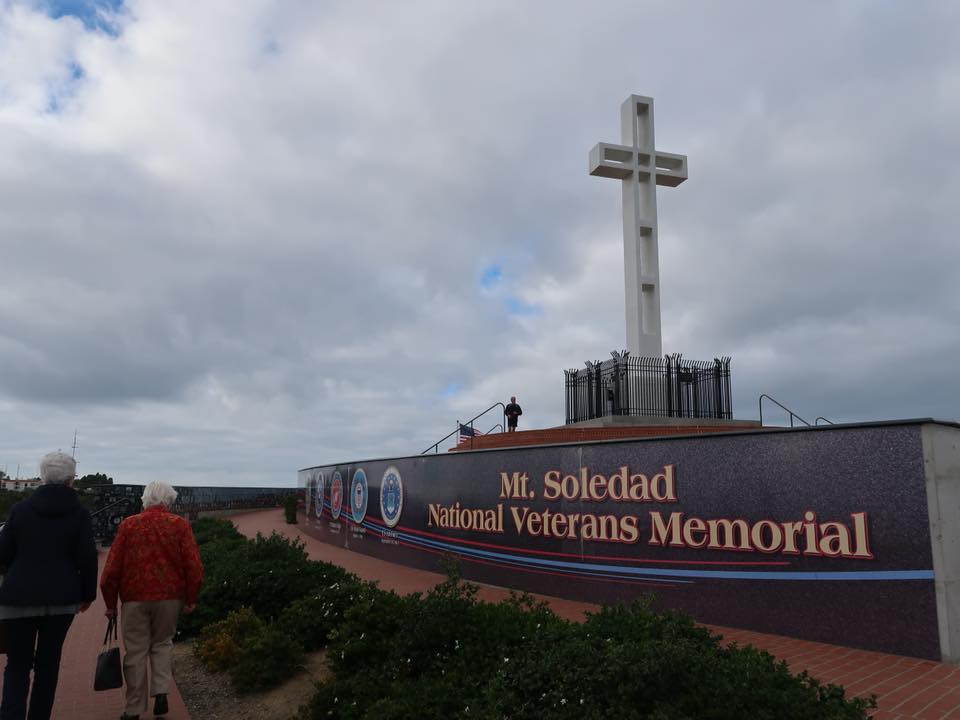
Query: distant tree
x=91, y=480
x=4, y=476
x=9, y=498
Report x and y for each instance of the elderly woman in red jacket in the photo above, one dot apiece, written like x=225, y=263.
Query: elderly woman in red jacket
x=154, y=567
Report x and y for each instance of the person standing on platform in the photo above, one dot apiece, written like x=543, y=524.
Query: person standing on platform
x=49, y=561
x=513, y=412
x=154, y=567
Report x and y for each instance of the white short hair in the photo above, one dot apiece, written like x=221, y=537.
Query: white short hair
x=57, y=468
x=158, y=493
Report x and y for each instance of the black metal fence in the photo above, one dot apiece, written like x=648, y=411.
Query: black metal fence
x=113, y=503
x=655, y=387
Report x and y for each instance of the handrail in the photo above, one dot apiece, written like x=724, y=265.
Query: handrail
x=498, y=425
x=781, y=405
x=821, y=417
x=436, y=446
x=124, y=501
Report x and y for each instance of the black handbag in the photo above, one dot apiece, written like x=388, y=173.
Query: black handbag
x=109, y=674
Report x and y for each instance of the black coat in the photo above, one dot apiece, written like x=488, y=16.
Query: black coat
x=47, y=550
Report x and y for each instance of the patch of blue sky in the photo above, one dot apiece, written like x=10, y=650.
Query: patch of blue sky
x=516, y=306
x=271, y=47
x=92, y=13
x=61, y=92
x=452, y=389
x=491, y=276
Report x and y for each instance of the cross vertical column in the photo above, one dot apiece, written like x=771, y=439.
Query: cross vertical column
x=640, y=168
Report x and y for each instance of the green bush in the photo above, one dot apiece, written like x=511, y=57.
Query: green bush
x=207, y=530
x=290, y=509
x=255, y=655
x=266, y=658
x=9, y=498
x=447, y=655
x=310, y=620
x=265, y=574
x=219, y=645
x=657, y=666
x=423, y=656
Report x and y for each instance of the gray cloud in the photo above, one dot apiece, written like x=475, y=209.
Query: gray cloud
x=254, y=241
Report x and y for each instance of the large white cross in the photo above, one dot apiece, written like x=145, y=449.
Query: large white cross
x=641, y=168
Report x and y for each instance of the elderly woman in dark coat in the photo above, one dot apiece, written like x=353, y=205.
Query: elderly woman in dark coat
x=50, y=562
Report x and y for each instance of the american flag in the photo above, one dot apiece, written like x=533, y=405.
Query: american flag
x=467, y=433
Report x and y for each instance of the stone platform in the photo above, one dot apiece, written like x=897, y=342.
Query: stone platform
x=607, y=428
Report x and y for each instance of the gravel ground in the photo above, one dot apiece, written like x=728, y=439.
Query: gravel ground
x=210, y=696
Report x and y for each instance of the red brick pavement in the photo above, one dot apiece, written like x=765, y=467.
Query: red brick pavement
x=76, y=699
x=906, y=688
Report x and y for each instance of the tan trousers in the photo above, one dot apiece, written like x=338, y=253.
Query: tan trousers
x=148, y=629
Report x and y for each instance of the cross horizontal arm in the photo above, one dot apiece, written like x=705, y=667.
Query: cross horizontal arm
x=671, y=169
x=621, y=161
x=612, y=161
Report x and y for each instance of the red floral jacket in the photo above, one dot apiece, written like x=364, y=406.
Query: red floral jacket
x=153, y=557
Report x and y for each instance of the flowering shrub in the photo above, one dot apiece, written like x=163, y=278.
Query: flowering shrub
x=445, y=654
x=255, y=655
x=311, y=619
x=265, y=574
x=219, y=645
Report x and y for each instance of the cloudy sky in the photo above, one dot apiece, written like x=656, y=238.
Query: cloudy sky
x=240, y=238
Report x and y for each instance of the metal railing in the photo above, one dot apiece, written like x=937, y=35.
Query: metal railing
x=782, y=406
x=107, y=507
x=821, y=417
x=659, y=387
x=436, y=446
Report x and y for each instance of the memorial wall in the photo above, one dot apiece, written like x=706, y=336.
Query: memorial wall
x=821, y=533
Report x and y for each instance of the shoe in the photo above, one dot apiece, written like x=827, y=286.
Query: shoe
x=160, y=705
x=129, y=717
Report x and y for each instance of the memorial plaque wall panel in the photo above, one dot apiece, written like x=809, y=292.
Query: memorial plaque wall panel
x=819, y=534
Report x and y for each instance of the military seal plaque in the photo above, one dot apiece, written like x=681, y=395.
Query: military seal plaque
x=358, y=496
x=336, y=496
x=391, y=497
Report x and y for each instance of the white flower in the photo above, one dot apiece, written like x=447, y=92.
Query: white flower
x=563, y=701
x=506, y=660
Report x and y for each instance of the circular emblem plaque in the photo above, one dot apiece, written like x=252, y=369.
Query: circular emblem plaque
x=391, y=497
x=358, y=496
x=336, y=495
x=318, y=495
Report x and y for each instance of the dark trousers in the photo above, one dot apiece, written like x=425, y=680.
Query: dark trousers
x=33, y=643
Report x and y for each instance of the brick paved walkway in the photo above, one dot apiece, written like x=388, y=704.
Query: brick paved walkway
x=905, y=687
x=76, y=699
